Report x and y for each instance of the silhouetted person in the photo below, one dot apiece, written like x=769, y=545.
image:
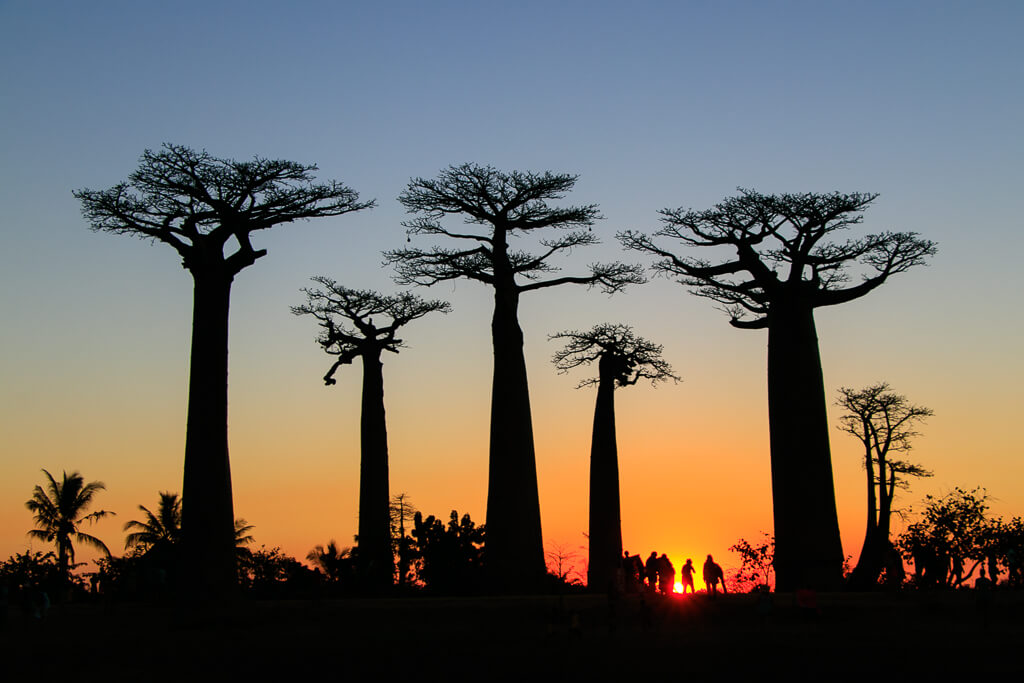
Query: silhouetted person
x=686, y=573
x=982, y=582
x=666, y=574
x=895, y=574
x=713, y=575
x=993, y=569
x=652, y=572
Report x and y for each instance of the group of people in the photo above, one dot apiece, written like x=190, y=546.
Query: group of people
x=658, y=575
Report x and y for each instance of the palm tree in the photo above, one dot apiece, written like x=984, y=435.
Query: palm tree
x=160, y=529
x=242, y=536
x=163, y=529
x=59, y=512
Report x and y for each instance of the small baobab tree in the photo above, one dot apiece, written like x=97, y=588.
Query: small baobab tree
x=786, y=263
x=348, y=331
x=207, y=209
x=885, y=423
x=499, y=206
x=623, y=359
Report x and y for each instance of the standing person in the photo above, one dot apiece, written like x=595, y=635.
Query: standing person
x=713, y=574
x=686, y=573
x=651, y=569
x=666, y=575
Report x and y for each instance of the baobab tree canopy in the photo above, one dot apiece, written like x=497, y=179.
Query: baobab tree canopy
x=785, y=262
x=506, y=204
x=195, y=202
x=784, y=249
x=204, y=207
x=630, y=358
x=498, y=206
x=346, y=319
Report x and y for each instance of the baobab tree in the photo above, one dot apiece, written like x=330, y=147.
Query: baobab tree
x=786, y=265
x=885, y=423
x=348, y=331
x=207, y=209
x=623, y=359
x=500, y=206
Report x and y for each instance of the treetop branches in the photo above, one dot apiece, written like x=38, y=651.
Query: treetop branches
x=631, y=357
x=506, y=203
x=184, y=198
x=784, y=248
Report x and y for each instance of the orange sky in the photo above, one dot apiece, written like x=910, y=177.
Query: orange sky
x=910, y=101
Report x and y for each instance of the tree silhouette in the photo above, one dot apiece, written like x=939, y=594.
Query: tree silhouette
x=207, y=209
x=162, y=529
x=622, y=360
x=884, y=422
x=504, y=205
x=786, y=264
x=59, y=512
x=402, y=511
x=349, y=332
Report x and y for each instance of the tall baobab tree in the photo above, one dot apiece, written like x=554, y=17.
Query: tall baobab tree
x=348, y=331
x=622, y=360
x=786, y=265
x=885, y=423
x=207, y=209
x=499, y=206
x=59, y=512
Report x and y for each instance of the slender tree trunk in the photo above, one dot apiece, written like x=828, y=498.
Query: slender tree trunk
x=375, y=557
x=514, y=547
x=207, y=519
x=808, y=550
x=605, y=527
x=868, y=566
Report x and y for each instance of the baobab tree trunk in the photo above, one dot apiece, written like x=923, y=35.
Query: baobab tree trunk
x=375, y=558
x=207, y=515
x=605, y=526
x=808, y=550
x=868, y=566
x=514, y=549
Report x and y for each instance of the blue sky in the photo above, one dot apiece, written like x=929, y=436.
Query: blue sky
x=654, y=104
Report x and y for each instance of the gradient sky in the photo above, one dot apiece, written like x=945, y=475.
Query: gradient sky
x=653, y=104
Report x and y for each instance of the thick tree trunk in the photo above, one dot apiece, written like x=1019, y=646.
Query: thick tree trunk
x=375, y=558
x=514, y=547
x=207, y=515
x=605, y=526
x=808, y=550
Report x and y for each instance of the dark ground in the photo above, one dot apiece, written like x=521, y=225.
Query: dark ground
x=737, y=637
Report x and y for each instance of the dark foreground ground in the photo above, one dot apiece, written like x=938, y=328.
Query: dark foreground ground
x=880, y=637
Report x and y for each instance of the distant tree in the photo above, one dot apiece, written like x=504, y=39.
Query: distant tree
x=504, y=205
x=204, y=207
x=32, y=571
x=756, y=563
x=270, y=573
x=952, y=529
x=59, y=512
x=348, y=331
x=885, y=423
x=449, y=557
x=786, y=265
x=335, y=563
x=402, y=512
x=160, y=529
x=622, y=360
